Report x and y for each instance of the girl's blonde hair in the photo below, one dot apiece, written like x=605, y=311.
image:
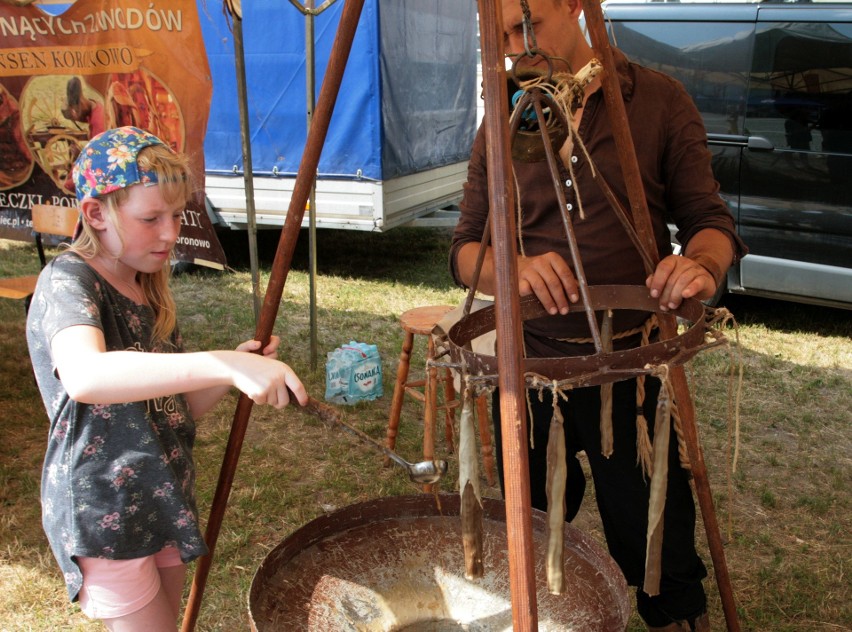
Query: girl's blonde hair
x=175, y=182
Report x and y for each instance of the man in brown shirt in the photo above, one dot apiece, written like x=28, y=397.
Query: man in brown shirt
x=674, y=162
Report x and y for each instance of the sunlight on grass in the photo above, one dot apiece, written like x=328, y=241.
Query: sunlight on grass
x=788, y=505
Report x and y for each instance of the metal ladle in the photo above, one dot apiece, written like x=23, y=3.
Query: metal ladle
x=422, y=472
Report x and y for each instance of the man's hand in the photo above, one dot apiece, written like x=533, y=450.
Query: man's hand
x=677, y=278
x=696, y=274
x=549, y=277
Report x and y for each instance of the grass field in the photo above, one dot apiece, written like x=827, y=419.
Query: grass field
x=785, y=512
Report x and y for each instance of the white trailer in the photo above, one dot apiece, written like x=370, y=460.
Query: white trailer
x=397, y=146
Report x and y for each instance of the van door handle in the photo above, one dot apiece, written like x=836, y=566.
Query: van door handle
x=759, y=143
x=727, y=140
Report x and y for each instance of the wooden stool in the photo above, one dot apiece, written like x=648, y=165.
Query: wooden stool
x=421, y=321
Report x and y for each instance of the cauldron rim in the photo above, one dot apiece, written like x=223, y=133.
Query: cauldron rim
x=424, y=506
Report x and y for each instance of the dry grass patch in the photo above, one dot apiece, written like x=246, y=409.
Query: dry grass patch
x=785, y=514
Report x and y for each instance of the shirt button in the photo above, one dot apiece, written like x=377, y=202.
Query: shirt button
x=568, y=183
x=570, y=207
x=574, y=159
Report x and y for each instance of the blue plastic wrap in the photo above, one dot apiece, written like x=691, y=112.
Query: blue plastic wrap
x=353, y=373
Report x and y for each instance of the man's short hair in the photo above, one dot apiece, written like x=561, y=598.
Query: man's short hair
x=74, y=91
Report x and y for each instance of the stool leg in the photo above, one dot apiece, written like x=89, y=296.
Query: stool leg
x=431, y=405
x=485, y=438
x=398, y=392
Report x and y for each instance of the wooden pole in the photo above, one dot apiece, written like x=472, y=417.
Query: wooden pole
x=310, y=87
x=248, y=169
x=501, y=198
x=278, y=275
x=668, y=325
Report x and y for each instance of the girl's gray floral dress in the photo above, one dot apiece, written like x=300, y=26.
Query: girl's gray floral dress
x=118, y=480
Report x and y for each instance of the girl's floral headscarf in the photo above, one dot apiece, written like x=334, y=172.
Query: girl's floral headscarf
x=109, y=162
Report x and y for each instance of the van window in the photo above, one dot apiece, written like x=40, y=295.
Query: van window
x=709, y=59
x=800, y=96
x=774, y=86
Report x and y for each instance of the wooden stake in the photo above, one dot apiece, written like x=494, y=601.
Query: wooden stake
x=668, y=324
x=501, y=199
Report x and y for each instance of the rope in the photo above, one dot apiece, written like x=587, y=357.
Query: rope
x=567, y=93
x=645, y=328
x=662, y=372
x=529, y=34
x=682, y=451
x=721, y=318
x=539, y=383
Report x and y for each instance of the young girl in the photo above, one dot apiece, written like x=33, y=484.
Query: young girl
x=118, y=499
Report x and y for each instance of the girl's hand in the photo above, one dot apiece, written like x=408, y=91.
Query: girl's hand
x=264, y=379
x=271, y=350
x=267, y=382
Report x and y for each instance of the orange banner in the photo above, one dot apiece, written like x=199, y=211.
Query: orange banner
x=65, y=78
x=71, y=60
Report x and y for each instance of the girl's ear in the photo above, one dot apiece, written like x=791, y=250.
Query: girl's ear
x=94, y=213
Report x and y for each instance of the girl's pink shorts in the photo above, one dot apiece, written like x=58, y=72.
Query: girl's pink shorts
x=116, y=588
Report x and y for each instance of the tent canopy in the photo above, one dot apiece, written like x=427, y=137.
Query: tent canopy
x=407, y=102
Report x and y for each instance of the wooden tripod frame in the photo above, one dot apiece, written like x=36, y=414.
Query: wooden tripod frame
x=508, y=321
x=508, y=316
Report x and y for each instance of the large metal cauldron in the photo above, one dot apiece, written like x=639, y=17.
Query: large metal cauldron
x=397, y=563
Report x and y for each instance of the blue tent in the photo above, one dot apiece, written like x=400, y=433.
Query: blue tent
x=407, y=102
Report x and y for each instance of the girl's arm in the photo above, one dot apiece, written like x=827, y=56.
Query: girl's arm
x=203, y=400
x=93, y=375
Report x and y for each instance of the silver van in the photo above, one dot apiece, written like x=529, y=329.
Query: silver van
x=774, y=85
